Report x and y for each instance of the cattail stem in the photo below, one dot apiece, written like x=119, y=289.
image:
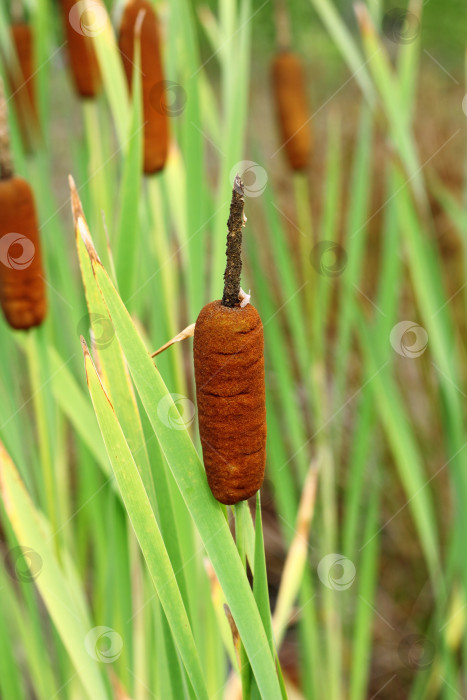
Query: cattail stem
x=282, y=21
x=306, y=243
x=241, y=513
x=6, y=160
x=233, y=268
x=17, y=11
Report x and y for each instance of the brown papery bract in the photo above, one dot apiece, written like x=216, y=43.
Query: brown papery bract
x=230, y=390
x=22, y=285
x=82, y=54
x=22, y=83
x=292, y=108
x=156, y=128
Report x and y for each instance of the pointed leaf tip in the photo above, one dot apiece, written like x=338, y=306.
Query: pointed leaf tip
x=84, y=345
x=81, y=226
x=76, y=207
x=363, y=18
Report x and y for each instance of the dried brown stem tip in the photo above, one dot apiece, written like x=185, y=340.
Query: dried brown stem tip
x=235, y=224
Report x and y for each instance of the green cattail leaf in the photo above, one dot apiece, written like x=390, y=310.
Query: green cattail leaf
x=32, y=531
x=146, y=528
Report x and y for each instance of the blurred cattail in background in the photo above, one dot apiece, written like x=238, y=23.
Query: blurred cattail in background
x=82, y=20
x=292, y=109
x=22, y=284
x=156, y=128
x=21, y=78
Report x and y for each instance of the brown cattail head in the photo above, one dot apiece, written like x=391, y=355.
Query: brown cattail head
x=292, y=109
x=230, y=391
x=22, y=81
x=82, y=21
x=156, y=127
x=22, y=286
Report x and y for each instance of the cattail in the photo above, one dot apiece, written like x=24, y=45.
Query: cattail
x=292, y=109
x=229, y=373
x=22, y=80
x=22, y=286
x=83, y=19
x=156, y=127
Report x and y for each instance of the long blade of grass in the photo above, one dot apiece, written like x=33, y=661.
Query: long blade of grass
x=346, y=43
x=260, y=579
x=296, y=558
x=390, y=92
x=30, y=530
x=367, y=572
x=73, y=402
x=127, y=229
x=406, y=453
x=113, y=77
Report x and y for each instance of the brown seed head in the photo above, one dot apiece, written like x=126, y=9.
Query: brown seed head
x=83, y=59
x=230, y=390
x=156, y=128
x=22, y=284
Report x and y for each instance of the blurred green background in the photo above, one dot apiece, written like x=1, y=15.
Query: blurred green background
x=369, y=414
